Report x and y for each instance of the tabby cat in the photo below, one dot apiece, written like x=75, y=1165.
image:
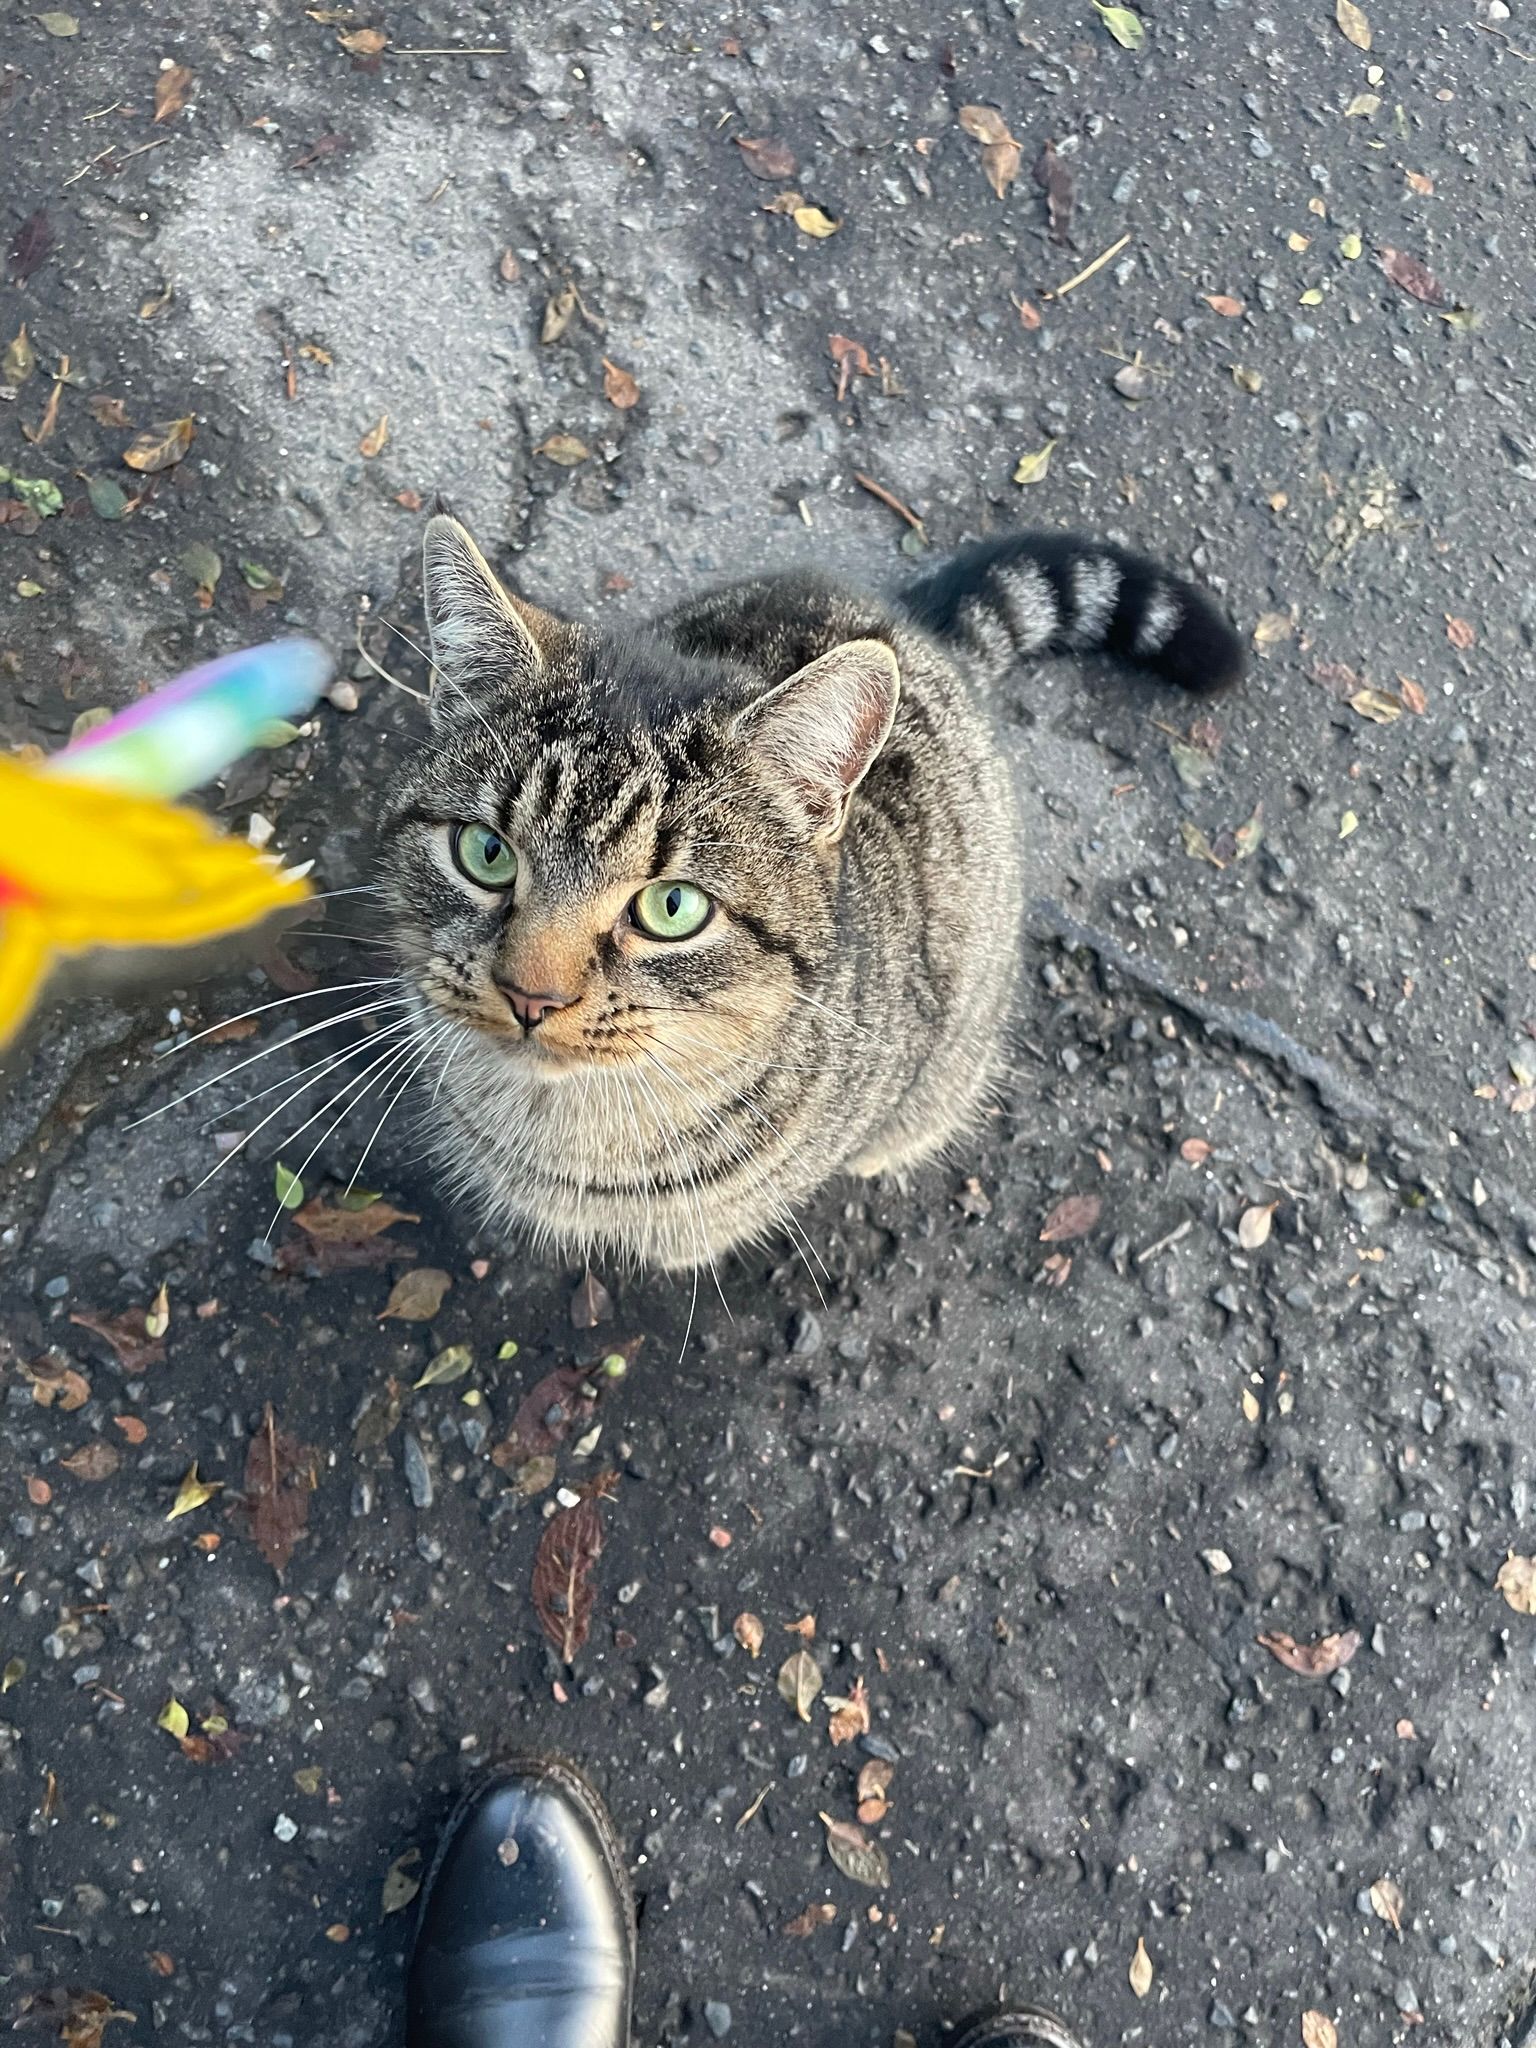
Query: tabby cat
x=708, y=911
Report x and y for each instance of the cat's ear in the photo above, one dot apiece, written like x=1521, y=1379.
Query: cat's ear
x=818, y=732
x=481, y=635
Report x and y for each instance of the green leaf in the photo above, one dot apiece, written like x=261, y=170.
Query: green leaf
x=1350, y=247
x=87, y=721
x=507, y=1350
x=14, y=1672
x=358, y=1198
x=290, y=1189
x=108, y=499
x=1125, y=27
x=27, y=588
x=449, y=1365
x=274, y=732
x=19, y=360
x=202, y=565
x=39, y=495
x=259, y=577
x=400, y=1882
x=174, y=1719
x=58, y=23
x=1034, y=469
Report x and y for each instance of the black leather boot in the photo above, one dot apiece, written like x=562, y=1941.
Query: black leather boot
x=1016, y=2026
x=526, y=1937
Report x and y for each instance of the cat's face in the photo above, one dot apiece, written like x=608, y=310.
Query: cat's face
x=607, y=853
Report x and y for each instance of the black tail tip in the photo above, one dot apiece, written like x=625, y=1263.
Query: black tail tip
x=1204, y=656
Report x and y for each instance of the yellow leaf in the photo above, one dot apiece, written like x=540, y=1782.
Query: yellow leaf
x=1378, y=705
x=1251, y=1409
x=174, y=1719
x=375, y=440
x=1250, y=381
x=1350, y=247
x=1517, y=1582
x=1140, y=1972
x=1034, y=469
x=564, y=449
x=1347, y=824
x=19, y=360
x=1311, y=296
x=1272, y=628
x=1387, y=1902
x=157, y=1317
x=193, y=1493
x=161, y=447
x=1318, y=2031
x=1353, y=25
x=363, y=42
x=1297, y=242
x=810, y=220
x=449, y=1365
x=1362, y=106
x=1253, y=1226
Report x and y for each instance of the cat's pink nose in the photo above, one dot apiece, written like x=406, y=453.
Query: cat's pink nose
x=530, y=1008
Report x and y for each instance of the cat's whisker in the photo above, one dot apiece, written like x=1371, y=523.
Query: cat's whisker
x=433, y=1042
x=369, y=1009
x=304, y=996
x=349, y=1096
x=320, y=1066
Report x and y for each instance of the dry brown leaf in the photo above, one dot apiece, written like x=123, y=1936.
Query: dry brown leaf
x=171, y=89
x=571, y=1544
x=19, y=360
x=417, y=1296
x=1419, y=183
x=545, y=1416
x=863, y=1861
x=564, y=449
x=1195, y=1151
x=1461, y=633
x=875, y=1780
x=591, y=1303
x=1312, y=1660
x=1001, y=156
x=54, y=1383
x=1318, y=2031
x=619, y=387
x=1140, y=1972
x=748, y=1631
x=1253, y=1226
x=1387, y=1902
x=134, y=1430
x=108, y=412
x=852, y=360
x=1413, y=695
x=1224, y=304
x=279, y=1479
x=82, y=2017
x=376, y=439
x=93, y=1461
x=1517, y=1582
x=1380, y=706
x=799, y=1682
x=128, y=1335
x=821, y=1915
x=805, y=1628
x=765, y=158
x=1271, y=628
x=161, y=447
x=363, y=42
x=559, y=312
x=850, y=1716
x=1073, y=1216
x=1353, y=25
x=327, y=1225
x=1412, y=276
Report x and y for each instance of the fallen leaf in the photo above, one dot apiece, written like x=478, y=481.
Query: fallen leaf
x=1249, y=836
x=93, y=1461
x=1054, y=178
x=1140, y=1972
x=1348, y=824
x=205, y=568
x=1253, y=1226
x=417, y=1296
x=449, y=1365
x=1222, y=303
x=1419, y=183
x=1351, y=247
x=1271, y=628
x=19, y=360
x=1380, y=706
x=126, y=1333
x=40, y=494
x=564, y=449
x=1311, y=1660
x=1460, y=632
x=1073, y=1216
x=1387, y=1902
x=1196, y=845
x=748, y=1631
x=1123, y=25
x=161, y=447
x=810, y=220
x=765, y=158
x=1030, y=316
x=1517, y=1582
x=570, y=1545
x=279, y=1479
x=1318, y=2031
x=346, y=1225
x=546, y=1415
x=508, y=269
x=821, y=1915
x=82, y=2017
x=856, y=1857
x=559, y=311
x=363, y=42
x=1192, y=764
x=1413, y=695
x=108, y=412
x=1134, y=381
x=783, y=202
x=804, y=1628
x=1195, y=1151
x=619, y=387
x=31, y=245
x=59, y=24
x=799, y=1682
x=852, y=360
x=1353, y=25
x=135, y=1430
x=171, y=89
x=850, y=1716
x=376, y=439
x=591, y=1303
x=1363, y=106
x=1001, y=156
x=327, y=145
x=1412, y=276
x=174, y=1719
x=54, y=1383
x=1034, y=469
x=14, y=1672
x=193, y=1493
x=874, y=1784
x=400, y=1884
x=108, y=498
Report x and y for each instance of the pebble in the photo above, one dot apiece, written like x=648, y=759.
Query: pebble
x=285, y=1829
x=1221, y=2017
x=418, y=1475
x=877, y=1746
x=717, y=2017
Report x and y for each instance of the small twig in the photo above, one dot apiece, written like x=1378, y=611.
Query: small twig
x=437, y=193
x=1088, y=270
x=1181, y=1230
x=95, y=160
x=102, y=115
x=1488, y=29
x=752, y=1809
x=420, y=695
x=401, y=51
x=889, y=498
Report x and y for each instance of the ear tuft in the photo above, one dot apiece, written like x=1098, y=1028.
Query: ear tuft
x=819, y=731
x=480, y=633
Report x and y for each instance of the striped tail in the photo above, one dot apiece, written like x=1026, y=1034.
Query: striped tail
x=1048, y=593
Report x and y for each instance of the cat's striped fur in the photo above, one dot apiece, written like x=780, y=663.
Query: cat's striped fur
x=822, y=763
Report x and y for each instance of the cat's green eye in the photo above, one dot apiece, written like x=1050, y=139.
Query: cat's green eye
x=671, y=910
x=484, y=856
